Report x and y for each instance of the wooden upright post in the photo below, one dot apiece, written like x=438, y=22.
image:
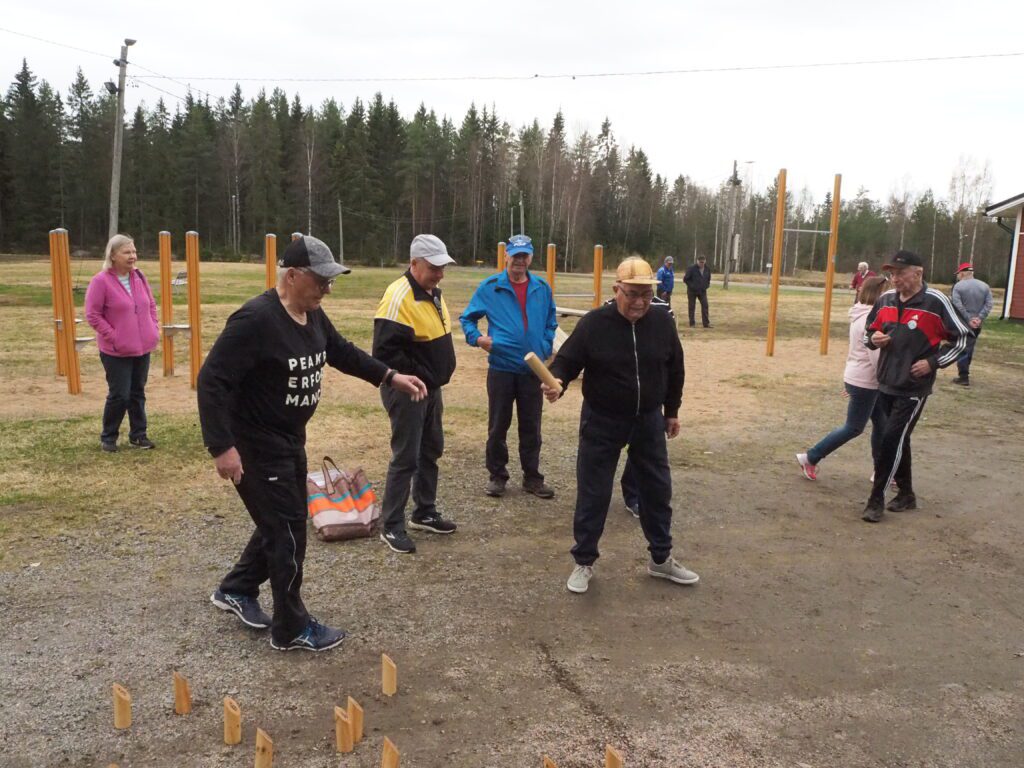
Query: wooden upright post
x=343, y=737
x=830, y=271
x=166, y=303
x=390, y=756
x=598, y=269
x=612, y=758
x=67, y=305
x=232, y=721
x=500, y=261
x=57, y=296
x=355, y=717
x=780, y=223
x=388, y=675
x=270, y=255
x=182, y=695
x=551, y=265
x=122, y=707
x=194, y=321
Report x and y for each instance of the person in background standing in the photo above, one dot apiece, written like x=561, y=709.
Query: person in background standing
x=862, y=274
x=120, y=306
x=972, y=298
x=666, y=280
x=698, y=280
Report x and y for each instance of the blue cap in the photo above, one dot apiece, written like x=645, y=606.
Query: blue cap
x=519, y=244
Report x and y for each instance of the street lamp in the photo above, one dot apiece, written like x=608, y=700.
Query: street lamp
x=115, y=172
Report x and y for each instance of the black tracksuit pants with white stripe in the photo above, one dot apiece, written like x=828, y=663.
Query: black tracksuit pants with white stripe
x=274, y=493
x=893, y=462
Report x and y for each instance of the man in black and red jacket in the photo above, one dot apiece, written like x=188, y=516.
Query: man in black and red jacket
x=918, y=332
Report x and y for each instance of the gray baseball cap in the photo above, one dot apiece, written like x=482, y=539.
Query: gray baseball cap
x=430, y=248
x=314, y=255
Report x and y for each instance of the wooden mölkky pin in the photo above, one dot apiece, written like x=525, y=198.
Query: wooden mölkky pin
x=342, y=730
x=122, y=707
x=264, y=750
x=549, y=763
x=232, y=721
x=612, y=758
x=388, y=675
x=355, y=717
x=390, y=756
x=182, y=695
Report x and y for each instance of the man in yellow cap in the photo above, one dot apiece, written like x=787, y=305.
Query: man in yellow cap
x=631, y=396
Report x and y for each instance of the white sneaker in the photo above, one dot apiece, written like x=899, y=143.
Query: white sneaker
x=579, y=580
x=672, y=571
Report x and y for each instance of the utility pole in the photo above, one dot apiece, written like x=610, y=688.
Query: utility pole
x=341, y=235
x=115, y=175
x=734, y=181
x=522, y=226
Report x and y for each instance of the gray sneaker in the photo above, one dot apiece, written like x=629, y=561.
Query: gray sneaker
x=579, y=580
x=672, y=571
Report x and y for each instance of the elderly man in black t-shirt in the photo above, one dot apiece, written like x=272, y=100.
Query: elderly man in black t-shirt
x=631, y=396
x=258, y=388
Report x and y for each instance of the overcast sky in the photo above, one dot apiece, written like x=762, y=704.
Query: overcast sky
x=882, y=126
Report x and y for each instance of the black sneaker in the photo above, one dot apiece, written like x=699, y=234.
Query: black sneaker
x=904, y=502
x=495, y=487
x=963, y=381
x=538, y=489
x=874, y=511
x=433, y=523
x=143, y=442
x=108, y=447
x=315, y=637
x=399, y=541
x=633, y=509
x=246, y=608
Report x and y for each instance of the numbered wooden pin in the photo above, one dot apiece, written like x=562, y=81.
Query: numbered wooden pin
x=232, y=721
x=342, y=730
x=355, y=717
x=549, y=763
x=389, y=675
x=264, y=750
x=389, y=757
x=122, y=707
x=612, y=758
x=182, y=695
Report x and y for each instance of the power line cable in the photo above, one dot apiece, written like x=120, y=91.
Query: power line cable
x=587, y=75
x=54, y=42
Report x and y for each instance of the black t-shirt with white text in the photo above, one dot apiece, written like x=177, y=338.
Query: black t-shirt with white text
x=261, y=382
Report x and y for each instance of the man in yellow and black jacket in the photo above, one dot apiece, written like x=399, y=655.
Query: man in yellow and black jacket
x=412, y=333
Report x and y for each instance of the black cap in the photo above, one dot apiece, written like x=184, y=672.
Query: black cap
x=903, y=259
x=313, y=254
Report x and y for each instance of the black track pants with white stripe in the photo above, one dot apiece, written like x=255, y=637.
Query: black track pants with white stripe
x=893, y=462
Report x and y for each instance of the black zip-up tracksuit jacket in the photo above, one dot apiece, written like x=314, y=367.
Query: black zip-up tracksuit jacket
x=924, y=327
x=631, y=368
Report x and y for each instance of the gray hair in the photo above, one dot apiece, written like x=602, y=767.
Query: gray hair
x=115, y=244
x=862, y=265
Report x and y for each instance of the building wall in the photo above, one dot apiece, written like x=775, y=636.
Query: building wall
x=1015, y=307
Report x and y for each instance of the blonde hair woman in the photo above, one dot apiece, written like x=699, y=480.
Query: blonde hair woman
x=120, y=306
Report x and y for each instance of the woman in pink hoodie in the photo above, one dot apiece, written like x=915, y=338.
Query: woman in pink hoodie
x=120, y=306
x=861, y=382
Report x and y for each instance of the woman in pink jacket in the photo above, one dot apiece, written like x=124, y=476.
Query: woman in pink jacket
x=861, y=381
x=120, y=306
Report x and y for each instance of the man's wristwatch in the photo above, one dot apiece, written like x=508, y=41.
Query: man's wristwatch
x=388, y=377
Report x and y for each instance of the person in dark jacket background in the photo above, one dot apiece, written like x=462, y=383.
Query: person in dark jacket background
x=412, y=333
x=632, y=391
x=918, y=331
x=520, y=312
x=259, y=386
x=698, y=280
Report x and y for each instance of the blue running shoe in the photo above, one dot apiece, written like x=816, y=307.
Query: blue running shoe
x=246, y=608
x=315, y=637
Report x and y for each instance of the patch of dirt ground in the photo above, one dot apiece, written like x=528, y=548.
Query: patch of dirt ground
x=813, y=639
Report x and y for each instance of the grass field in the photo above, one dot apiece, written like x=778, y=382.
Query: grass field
x=812, y=640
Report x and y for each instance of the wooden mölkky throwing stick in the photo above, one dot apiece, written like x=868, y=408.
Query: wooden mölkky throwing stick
x=122, y=707
x=232, y=721
x=342, y=730
x=264, y=750
x=612, y=758
x=388, y=675
x=541, y=371
x=355, y=717
x=390, y=756
x=182, y=695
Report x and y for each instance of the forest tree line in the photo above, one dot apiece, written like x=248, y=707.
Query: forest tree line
x=235, y=169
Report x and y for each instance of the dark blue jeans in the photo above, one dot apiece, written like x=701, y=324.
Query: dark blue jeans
x=126, y=391
x=963, y=363
x=863, y=406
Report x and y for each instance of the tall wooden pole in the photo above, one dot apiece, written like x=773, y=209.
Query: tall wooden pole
x=57, y=296
x=67, y=306
x=194, y=321
x=550, y=265
x=500, y=261
x=830, y=271
x=270, y=256
x=780, y=223
x=598, y=270
x=166, y=303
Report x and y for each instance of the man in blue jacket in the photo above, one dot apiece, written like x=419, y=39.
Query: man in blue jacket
x=520, y=312
x=666, y=280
